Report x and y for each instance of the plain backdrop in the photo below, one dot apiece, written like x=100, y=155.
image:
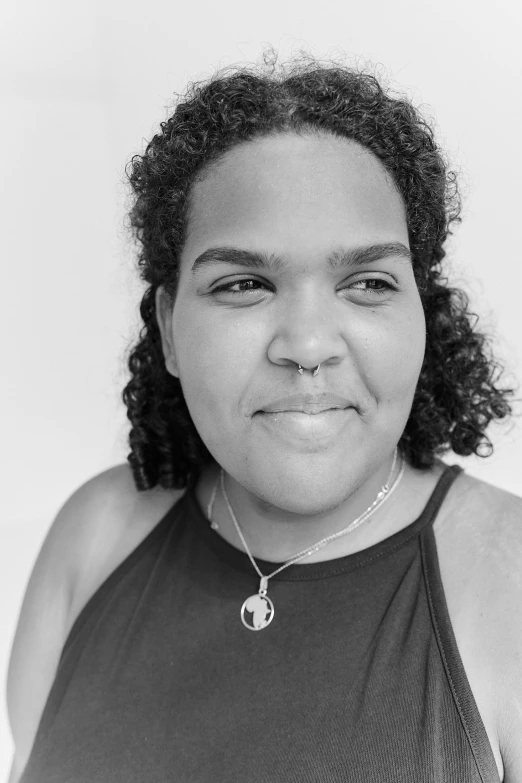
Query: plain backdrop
x=83, y=84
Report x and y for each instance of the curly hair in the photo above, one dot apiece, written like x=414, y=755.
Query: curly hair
x=458, y=391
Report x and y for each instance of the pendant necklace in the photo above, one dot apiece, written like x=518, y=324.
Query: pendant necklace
x=258, y=610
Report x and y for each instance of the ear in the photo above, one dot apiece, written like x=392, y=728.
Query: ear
x=164, y=319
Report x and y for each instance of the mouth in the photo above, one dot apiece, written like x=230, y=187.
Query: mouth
x=311, y=404
x=310, y=410
x=301, y=426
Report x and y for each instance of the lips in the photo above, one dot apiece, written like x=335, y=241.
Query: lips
x=306, y=403
x=301, y=431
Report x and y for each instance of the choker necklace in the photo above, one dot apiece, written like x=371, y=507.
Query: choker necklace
x=258, y=610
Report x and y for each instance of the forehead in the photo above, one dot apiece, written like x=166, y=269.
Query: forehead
x=290, y=192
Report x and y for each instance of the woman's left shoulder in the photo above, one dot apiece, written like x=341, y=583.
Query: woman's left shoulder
x=484, y=524
x=490, y=514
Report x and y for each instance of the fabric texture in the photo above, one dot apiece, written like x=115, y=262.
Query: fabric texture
x=357, y=679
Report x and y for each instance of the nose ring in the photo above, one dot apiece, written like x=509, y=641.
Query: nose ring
x=300, y=370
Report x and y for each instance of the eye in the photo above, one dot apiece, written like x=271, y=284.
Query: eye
x=242, y=286
x=376, y=285
x=368, y=286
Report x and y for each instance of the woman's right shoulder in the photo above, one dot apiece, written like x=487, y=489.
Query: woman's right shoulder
x=115, y=518
x=96, y=528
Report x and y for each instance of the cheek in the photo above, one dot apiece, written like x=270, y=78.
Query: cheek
x=396, y=355
x=216, y=363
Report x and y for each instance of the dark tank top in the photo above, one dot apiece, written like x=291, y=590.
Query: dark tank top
x=357, y=678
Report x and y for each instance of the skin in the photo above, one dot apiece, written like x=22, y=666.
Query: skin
x=301, y=198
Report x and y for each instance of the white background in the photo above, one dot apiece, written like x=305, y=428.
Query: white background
x=82, y=84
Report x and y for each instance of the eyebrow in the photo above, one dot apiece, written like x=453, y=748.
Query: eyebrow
x=338, y=259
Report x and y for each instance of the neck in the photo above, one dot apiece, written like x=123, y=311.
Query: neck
x=276, y=535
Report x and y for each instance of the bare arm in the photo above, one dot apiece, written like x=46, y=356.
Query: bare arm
x=97, y=527
x=76, y=545
x=502, y=621
x=40, y=632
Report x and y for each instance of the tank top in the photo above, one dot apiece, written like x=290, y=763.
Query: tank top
x=357, y=678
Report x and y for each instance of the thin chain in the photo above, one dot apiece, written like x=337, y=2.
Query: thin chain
x=382, y=496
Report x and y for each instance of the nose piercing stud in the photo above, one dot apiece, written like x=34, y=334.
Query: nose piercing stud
x=300, y=370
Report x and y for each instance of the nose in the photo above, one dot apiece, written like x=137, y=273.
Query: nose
x=307, y=333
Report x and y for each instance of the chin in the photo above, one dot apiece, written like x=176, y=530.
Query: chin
x=303, y=489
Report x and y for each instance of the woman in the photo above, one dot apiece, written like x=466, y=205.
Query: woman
x=286, y=582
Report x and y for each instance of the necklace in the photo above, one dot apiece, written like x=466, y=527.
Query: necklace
x=258, y=610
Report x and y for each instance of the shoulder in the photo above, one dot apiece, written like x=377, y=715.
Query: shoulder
x=95, y=529
x=489, y=514
x=98, y=526
x=116, y=518
x=483, y=526
x=480, y=533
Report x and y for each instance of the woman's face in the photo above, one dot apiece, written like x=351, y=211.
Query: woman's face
x=297, y=254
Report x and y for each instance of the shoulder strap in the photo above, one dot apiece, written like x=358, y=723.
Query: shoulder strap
x=458, y=681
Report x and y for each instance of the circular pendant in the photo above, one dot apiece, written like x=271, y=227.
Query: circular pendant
x=257, y=612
